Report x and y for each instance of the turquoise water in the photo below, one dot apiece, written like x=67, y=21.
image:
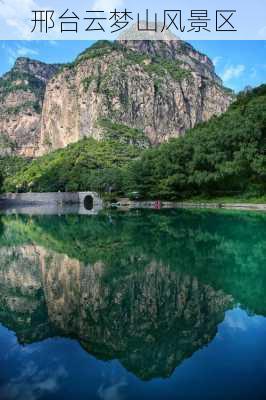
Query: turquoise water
x=137, y=305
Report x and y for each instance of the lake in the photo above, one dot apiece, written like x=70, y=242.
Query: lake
x=167, y=304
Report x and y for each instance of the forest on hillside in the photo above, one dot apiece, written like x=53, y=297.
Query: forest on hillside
x=225, y=156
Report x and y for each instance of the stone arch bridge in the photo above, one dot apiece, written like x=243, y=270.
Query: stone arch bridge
x=81, y=202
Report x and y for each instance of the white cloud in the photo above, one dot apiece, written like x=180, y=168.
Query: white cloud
x=53, y=42
x=236, y=321
x=112, y=392
x=107, y=5
x=19, y=51
x=233, y=72
x=34, y=383
x=26, y=51
x=217, y=60
x=16, y=15
x=253, y=74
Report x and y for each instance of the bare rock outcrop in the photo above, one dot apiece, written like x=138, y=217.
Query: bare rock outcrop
x=162, y=87
x=21, y=99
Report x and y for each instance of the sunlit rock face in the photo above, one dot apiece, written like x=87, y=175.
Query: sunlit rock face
x=161, y=87
x=21, y=99
x=150, y=317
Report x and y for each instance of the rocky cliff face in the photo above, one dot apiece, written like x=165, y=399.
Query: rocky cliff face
x=179, y=51
x=151, y=320
x=161, y=87
x=21, y=99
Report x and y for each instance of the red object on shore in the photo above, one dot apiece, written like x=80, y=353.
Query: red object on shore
x=158, y=204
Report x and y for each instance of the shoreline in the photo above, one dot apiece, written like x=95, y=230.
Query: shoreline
x=197, y=205
x=126, y=204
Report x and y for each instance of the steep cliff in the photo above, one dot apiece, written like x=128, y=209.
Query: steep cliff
x=162, y=87
x=21, y=98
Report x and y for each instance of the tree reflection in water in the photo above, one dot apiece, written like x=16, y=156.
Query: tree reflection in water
x=148, y=289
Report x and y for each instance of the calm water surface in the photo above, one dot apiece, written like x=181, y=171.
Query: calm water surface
x=141, y=305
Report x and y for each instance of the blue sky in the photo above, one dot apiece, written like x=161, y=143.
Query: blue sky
x=239, y=63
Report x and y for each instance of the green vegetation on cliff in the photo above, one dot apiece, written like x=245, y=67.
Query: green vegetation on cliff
x=223, y=157
x=154, y=65
x=226, y=155
x=22, y=81
x=123, y=134
x=86, y=164
x=6, y=143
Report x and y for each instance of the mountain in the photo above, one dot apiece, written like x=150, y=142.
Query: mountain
x=224, y=156
x=21, y=99
x=160, y=87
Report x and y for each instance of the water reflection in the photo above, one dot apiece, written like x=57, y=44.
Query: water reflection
x=147, y=289
x=150, y=319
x=56, y=209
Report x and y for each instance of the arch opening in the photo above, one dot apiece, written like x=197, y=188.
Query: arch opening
x=88, y=202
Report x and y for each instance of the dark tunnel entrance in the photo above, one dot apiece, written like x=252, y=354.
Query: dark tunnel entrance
x=88, y=202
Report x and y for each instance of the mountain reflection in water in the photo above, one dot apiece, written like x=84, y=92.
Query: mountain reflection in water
x=148, y=289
